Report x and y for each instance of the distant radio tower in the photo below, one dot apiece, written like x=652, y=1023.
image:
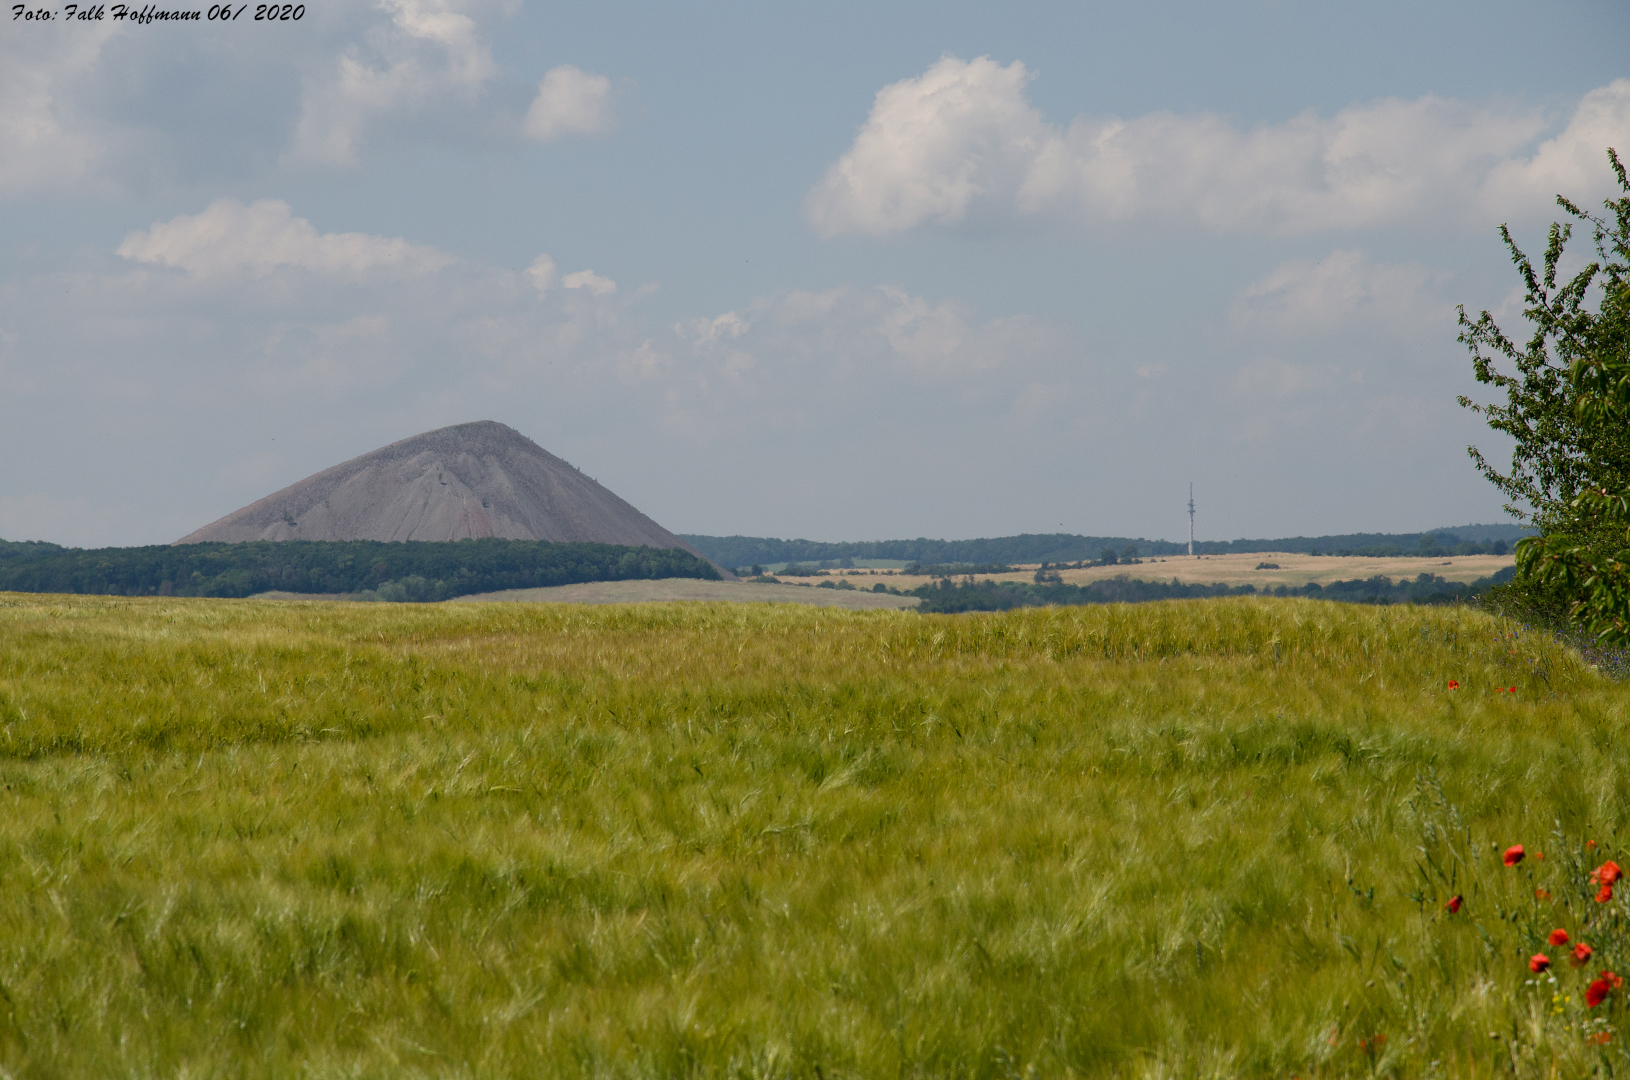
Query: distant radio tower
x=1191, y=519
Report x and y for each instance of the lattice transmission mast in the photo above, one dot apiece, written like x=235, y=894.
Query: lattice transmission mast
x=1191, y=519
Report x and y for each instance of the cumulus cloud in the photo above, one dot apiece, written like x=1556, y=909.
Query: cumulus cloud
x=431, y=50
x=570, y=101
x=1341, y=290
x=86, y=108
x=230, y=238
x=45, y=141
x=589, y=280
x=964, y=138
x=931, y=146
x=865, y=330
x=1571, y=163
x=541, y=273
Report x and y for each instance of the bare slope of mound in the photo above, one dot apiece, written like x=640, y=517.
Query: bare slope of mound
x=469, y=480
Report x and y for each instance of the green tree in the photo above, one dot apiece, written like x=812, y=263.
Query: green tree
x=1587, y=561
x=1558, y=454
x=1568, y=411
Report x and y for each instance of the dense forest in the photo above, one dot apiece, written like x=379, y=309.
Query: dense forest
x=365, y=568
x=744, y=551
x=948, y=596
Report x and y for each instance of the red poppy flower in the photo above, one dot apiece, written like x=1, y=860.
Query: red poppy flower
x=1590, y=843
x=1607, y=873
x=1513, y=855
x=1513, y=689
x=1598, y=990
x=1558, y=936
x=1581, y=954
x=1453, y=685
x=1601, y=1038
x=1454, y=904
x=1542, y=894
x=1538, y=962
x=1604, y=894
x=1540, y=855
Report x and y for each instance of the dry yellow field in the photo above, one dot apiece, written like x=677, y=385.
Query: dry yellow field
x=1294, y=569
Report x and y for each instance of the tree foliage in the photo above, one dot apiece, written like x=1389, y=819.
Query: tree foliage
x=407, y=571
x=1584, y=555
x=1559, y=453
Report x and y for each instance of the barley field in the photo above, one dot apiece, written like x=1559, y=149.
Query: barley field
x=1187, y=839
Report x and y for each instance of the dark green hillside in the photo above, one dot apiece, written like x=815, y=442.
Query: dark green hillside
x=406, y=571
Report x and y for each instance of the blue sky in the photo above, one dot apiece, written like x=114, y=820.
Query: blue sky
x=831, y=271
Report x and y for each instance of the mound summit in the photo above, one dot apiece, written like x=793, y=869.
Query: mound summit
x=468, y=480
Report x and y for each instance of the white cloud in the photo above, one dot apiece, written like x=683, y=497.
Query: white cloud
x=1571, y=163
x=541, y=273
x=964, y=139
x=431, y=50
x=1345, y=289
x=867, y=331
x=45, y=142
x=588, y=279
x=231, y=238
x=704, y=333
x=935, y=339
x=570, y=101
x=932, y=145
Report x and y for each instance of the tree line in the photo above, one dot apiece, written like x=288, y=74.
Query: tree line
x=946, y=595
x=368, y=569
x=747, y=551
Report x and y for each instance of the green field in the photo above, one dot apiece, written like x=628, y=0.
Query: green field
x=1183, y=839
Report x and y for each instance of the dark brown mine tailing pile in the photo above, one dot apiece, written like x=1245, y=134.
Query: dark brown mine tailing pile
x=469, y=480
